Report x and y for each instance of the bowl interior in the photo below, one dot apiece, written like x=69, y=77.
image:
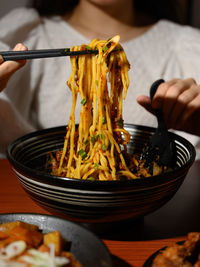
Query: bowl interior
x=31, y=151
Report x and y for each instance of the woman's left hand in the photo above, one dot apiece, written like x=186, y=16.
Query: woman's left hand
x=8, y=68
x=179, y=101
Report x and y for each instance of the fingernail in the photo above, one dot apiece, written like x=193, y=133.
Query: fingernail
x=19, y=47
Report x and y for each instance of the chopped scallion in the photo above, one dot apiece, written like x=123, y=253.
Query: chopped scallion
x=82, y=153
x=86, y=142
x=94, y=138
x=104, y=147
x=88, y=47
x=96, y=166
x=91, y=178
x=104, y=120
x=105, y=48
x=102, y=136
x=83, y=101
x=120, y=122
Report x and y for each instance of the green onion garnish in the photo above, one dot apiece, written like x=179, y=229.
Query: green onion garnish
x=83, y=101
x=105, y=48
x=91, y=178
x=86, y=142
x=104, y=147
x=94, y=138
x=102, y=136
x=120, y=122
x=96, y=166
x=82, y=153
x=88, y=47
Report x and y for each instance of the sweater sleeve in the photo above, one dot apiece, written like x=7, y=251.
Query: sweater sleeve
x=17, y=26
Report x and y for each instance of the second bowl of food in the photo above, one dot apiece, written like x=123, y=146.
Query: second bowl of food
x=92, y=201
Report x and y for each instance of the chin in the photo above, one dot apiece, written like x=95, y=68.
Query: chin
x=108, y=2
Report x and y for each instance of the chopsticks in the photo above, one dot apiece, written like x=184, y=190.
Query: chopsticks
x=44, y=53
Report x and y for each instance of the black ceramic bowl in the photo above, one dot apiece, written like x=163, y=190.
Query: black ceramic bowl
x=85, y=245
x=94, y=201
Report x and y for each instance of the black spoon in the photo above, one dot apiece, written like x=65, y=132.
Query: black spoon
x=161, y=147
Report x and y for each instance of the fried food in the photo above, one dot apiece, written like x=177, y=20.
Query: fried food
x=24, y=245
x=186, y=254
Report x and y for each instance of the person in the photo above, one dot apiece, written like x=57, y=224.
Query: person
x=36, y=96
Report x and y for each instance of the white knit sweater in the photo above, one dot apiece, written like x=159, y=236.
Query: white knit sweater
x=37, y=96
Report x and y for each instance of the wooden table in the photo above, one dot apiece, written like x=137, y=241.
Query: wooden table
x=131, y=243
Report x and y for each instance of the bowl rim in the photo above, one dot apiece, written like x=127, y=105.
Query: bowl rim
x=40, y=175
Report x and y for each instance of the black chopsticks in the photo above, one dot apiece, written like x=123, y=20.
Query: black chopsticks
x=44, y=53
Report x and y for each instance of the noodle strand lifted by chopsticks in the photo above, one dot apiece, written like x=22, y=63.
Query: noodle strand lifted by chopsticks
x=94, y=150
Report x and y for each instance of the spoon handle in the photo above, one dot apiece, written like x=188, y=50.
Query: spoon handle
x=158, y=112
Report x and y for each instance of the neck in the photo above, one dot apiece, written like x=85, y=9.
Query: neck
x=104, y=20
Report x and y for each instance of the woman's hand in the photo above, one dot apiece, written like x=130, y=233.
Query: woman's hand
x=7, y=68
x=179, y=101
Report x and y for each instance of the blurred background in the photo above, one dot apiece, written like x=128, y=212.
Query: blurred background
x=188, y=13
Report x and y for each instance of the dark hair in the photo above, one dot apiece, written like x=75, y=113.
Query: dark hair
x=174, y=10
x=54, y=7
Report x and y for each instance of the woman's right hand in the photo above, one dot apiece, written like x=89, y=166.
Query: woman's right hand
x=7, y=68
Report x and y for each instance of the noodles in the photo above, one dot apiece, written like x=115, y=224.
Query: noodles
x=93, y=151
x=96, y=150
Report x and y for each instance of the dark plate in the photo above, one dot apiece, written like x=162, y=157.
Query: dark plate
x=85, y=245
x=149, y=261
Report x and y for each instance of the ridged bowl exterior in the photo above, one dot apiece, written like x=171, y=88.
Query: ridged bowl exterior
x=94, y=201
